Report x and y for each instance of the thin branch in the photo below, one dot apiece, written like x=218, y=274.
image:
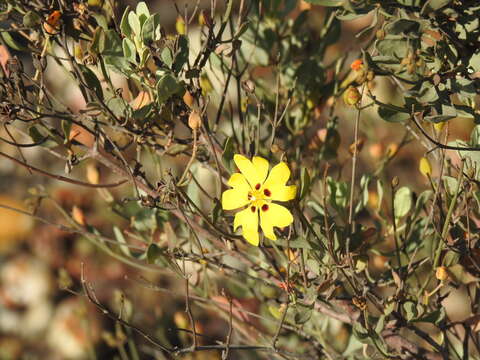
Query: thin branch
x=60, y=177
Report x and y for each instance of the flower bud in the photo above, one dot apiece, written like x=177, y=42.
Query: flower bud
x=352, y=96
x=78, y=215
x=95, y=3
x=380, y=34
x=194, y=120
x=441, y=273
x=248, y=86
x=188, y=99
x=356, y=65
x=52, y=23
x=395, y=181
x=205, y=84
x=180, y=25
x=392, y=150
x=439, y=126
x=78, y=52
x=93, y=174
x=358, y=145
x=425, y=167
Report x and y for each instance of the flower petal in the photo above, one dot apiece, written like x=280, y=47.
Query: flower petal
x=279, y=175
x=237, y=180
x=251, y=236
x=234, y=198
x=248, y=220
x=261, y=167
x=275, y=215
x=255, y=172
x=282, y=192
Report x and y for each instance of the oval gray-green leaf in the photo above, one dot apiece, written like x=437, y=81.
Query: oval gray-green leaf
x=403, y=202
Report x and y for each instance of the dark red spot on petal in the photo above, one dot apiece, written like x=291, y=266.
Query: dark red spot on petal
x=257, y=187
x=249, y=196
x=253, y=208
x=267, y=192
x=264, y=207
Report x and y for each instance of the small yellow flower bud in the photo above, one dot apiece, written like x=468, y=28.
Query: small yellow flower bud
x=376, y=150
x=188, y=99
x=380, y=34
x=205, y=84
x=310, y=104
x=395, y=181
x=351, y=96
x=370, y=75
x=392, y=150
x=180, y=320
x=439, y=126
x=373, y=199
x=425, y=167
x=359, y=145
x=194, y=120
x=274, y=148
x=201, y=19
x=95, y=3
x=441, y=273
x=93, y=174
x=180, y=25
x=78, y=52
x=78, y=215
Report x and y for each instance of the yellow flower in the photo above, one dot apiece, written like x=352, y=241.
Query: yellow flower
x=252, y=188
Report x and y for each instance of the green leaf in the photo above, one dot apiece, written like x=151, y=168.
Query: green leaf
x=129, y=50
x=113, y=44
x=101, y=20
x=134, y=23
x=181, y=56
x=303, y=313
x=434, y=317
x=97, y=45
x=167, y=86
x=438, y=4
x=391, y=46
x=142, y=12
x=145, y=220
x=151, y=29
x=38, y=137
x=326, y=2
x=410, y=309
x=216, y=211
x=91, y=80
x=119, y=107
x=380, y=194
x=31, y=19
x=66, y=127
x=474, y=62
x=124, y=25
x=403, y=202
x=228, y=153
x=119, y=64
x=12, y=42
x=393, y=116
x=156, y=255
x=304, y=183
x=167, y=56
x=121, y=239
x=403, y=26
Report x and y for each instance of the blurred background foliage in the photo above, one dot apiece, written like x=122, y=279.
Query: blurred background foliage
x=119, y=122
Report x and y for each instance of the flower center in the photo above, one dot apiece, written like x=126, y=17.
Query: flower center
x=259, y=198
x=258, y=194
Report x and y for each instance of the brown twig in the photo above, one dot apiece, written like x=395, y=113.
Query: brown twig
x=60, y=177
